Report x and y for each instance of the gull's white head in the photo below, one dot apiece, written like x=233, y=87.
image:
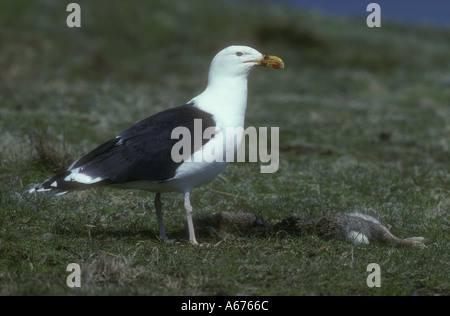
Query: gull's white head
x=238, y=61
x=226, y=94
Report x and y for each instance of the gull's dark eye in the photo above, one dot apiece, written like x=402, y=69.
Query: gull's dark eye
x=239, y=54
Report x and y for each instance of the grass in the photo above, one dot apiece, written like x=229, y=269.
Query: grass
x=364, y=119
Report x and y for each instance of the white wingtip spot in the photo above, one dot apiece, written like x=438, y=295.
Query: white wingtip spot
x=37, y=189
x=76, y=176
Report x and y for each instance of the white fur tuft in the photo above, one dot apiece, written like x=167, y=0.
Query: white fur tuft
x=357, y=238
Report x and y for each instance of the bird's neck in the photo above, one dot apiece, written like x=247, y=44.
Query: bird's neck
x=226, y=100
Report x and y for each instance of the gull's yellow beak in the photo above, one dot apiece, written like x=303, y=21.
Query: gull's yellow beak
x=272, y=62
x=269, y=61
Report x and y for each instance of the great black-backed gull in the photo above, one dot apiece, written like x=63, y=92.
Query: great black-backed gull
x=141, y=157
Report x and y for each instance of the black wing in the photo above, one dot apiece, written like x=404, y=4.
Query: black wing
x=142, y=152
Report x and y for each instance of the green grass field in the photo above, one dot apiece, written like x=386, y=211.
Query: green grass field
x=364, y=117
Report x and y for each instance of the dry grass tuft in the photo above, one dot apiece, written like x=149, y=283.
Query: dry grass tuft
x=47, y=154
x=107, y=269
